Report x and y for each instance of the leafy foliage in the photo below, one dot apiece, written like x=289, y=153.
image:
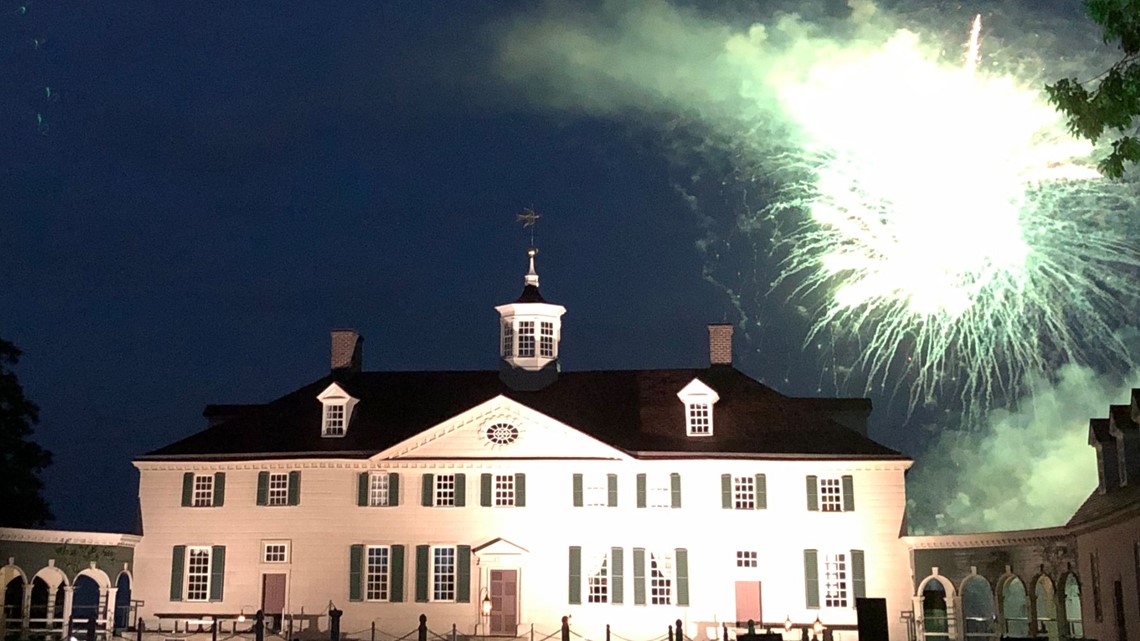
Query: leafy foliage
x=74, y=557
x=1114, y=105
x=21, y=460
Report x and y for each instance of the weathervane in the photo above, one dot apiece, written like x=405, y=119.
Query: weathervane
x=529, y=217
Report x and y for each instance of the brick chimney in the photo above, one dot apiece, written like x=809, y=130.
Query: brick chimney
x=720, y=344
x=347, y=350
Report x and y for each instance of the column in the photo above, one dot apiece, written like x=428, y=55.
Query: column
x=919, y=617
x=68, y=600
x=110, y=612
x=27, y=623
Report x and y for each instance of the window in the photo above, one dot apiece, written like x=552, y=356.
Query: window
x=660, y=580
x=699, y=400
x=378, y=490
x=744, y=492
x=596, y=491
x=835, y=580
x=203, y=490
x=275, y=552
x=445, y=490
x=278, y=488
x=377, y=573
x=526, y=338
x=598, y=581
x=334, y=420
x=746, y=559
x=659, y=492
x=700, y=419
x=1094, y=575
x=336, y=412
x=830, y=495
x=443, y=574
x=198, y=574
x=508, y=340
x=546, y=340
x=504, y=490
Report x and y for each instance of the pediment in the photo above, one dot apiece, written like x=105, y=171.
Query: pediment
x=499, y=547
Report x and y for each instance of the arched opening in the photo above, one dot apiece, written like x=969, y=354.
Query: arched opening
x=1015, y=608
x=935, y=625
x=123, y=601
x=85, y=600
x=38, y=608
x=1045, y=608
x=978, y=612
x=14, y=603
x=1072, y=608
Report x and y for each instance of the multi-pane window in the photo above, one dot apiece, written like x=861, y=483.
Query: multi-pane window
x=278, y=488
x=835, y=580
x=275, y=552
x=546, y=340
x=445, y=489
x=598, y=582
x=443, y=574
x=595, y=490
x=504, y=490
x=746, y=558
x=378, y=490
x=830, y=495
x=744, y=492
x=659, y=491
x=660, y=580
x=508, y=340
x=526, y=338
x=334, y=420
x=198, y=574
x=700, y=419
x=376, y=573
x=203, y=490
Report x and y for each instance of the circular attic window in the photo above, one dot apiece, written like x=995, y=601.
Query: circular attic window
x=502, y=433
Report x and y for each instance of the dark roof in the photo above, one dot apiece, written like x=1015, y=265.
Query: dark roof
x=1116, y=502
x=530, y=295
x=634, y=410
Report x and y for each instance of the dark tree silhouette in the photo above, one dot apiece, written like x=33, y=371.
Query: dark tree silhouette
x=21, y=491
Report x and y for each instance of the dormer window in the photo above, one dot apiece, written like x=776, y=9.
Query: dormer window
x=508, y=340
x=699, y=400
x=526, y=339
x=546, y=340
x=336, y=412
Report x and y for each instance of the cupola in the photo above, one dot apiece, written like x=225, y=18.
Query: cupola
x=530, y=330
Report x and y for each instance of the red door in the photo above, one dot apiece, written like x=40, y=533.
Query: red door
x=273, y=598
x=504, y=602
x=748, y=602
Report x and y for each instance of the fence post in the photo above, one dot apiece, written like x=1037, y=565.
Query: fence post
x=372, y=637
x=422, y=631
x=607, y=632
x=680, y=634
x=290, y=637
x=259, y=626
x=91, y=628
x=724, y=626
x=565, y=628
x=334, y=624
x=532, y=632
x=214, y=630
x=139, y=629
x=454, y=632
x=669, y=637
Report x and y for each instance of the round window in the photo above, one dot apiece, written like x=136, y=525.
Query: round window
x=502, y=433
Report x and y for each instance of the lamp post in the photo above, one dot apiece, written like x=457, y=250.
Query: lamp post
x=788, y=625
x=485, y=611
x=817, y=628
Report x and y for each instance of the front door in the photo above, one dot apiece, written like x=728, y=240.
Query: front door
x=748, y=602
x=273, y=599
x=504, y=602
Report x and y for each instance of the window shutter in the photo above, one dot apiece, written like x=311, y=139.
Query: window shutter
x=396, y=594
x=355, y=567
x=675, y=488
x=187, y=489
x=577, y=490
x=520, y=490
x=428, y=487
x=726, y=491
x=263, y=488
x=641, y=501
x=463, y=574
x=575, y=575
x=485, y=490
x=362, y=482
x=761, y=492
x=219, y=489
x=217, y=572
x=639, y=576
x=617, y=576
x=294, y=488
x=682, y=570
x=848, y=493
x=811, y=577
x=611, y=484
x=422, y=573
x=394, y=490
x=177, y=567
x=858, y=582
x=812, y=494
x=460, y=490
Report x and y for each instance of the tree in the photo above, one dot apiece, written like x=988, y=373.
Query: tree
x=21, y=491
x=1114, y=104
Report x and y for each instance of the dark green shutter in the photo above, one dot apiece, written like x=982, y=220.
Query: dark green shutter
x=219, y=489
x=422, y=552
x=217, y=572
x=463, y=574
x=485, y=490
x=638, y=576
x=460, y=490
x=726, y=491
x=761, y=492
x=177, y=567
x=682, y=567
x=575, y=587
x=396, y=594
x=675, y=489
x=294, y=488
x=611, y=485
x=187, y=489
x=641, y=501
x=848, y=494
x=355, y=567
x=263, y=488
x=362, y=482
x=811, y=577
x=858, y=581
x=812, y=494
x=394, y=490
x=520, y=490
x=428, y=487
x=617, y=575
x=577, y=490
